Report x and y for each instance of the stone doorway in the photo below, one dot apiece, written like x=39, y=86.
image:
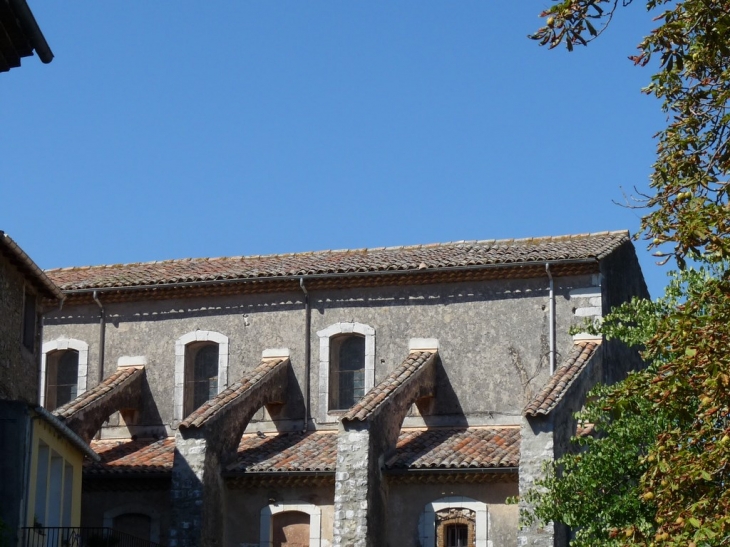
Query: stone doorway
x=290, y=529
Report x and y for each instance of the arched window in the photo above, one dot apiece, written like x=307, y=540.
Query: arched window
x=454, y=522
x=292, y=523
x=347, y=371
x=64, y=369
x=201, y=374
x=136, y=519
x=138, y=525
x=201, y=370
x=346, y=366
x=62, y=377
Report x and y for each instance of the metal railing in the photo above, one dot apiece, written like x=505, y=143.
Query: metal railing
x=79, y=537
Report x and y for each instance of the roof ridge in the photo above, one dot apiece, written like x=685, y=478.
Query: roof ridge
x=536, y=239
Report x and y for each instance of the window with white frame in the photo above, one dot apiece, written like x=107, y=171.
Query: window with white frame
x=290, y=520
x=201, y=370
x=346, y=366
x=62, y=378
x=64, y=371
x=201, y=374
x=455, y=521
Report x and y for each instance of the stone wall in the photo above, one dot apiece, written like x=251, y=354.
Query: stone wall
x=18, y=366
x=493, y=334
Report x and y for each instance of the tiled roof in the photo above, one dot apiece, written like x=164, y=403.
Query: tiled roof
x=238, y=389
x=564, y=376
x=120, y=377
x=122, y=457
x=312, y=451
x=316, y=451
x=378, y=394
x=457, y=448
x=345, y=262
x=416, y=449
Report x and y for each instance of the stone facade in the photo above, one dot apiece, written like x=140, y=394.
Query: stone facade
x=488, y=338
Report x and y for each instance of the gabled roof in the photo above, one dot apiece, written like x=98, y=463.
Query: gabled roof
x=25, y=264
x=120, y=378
x=564, y=376
x=379, y=394
x=359, y=262
x=20, y=35
x=226, y=398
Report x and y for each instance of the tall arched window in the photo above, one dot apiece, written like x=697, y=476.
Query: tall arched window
x=201, y=370
x=62, y=376
x=201, y=374
x=75, y=354
x=347, y=371
x=346, y=367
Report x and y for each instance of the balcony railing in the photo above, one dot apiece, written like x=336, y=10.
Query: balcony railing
x=79, y=537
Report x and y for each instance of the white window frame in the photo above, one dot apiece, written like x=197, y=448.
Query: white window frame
x=266, y=532
x=61, y=344
x=180, y=349
x=427, y=522
x=325, y=335
x=135, y=508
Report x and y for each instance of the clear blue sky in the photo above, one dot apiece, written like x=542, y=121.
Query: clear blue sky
x=185, y=129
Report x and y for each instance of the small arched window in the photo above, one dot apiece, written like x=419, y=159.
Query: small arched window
x=347, y=371
x=201, y=374
x=62, y=376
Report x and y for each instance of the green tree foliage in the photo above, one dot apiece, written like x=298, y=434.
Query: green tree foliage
x=659, y=472
x=689, y=207
x=654, y=474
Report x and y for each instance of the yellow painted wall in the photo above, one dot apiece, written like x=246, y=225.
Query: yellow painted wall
x=69, y=453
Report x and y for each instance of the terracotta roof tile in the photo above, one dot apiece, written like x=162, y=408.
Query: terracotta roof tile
x=218, y=404
x=416, y=449
x=564, y=376
x=312, y=451
x=380, y=393
x=316, y=451
x=121, y=457
x=347, y=262
x=457, y=448
x=116, y=381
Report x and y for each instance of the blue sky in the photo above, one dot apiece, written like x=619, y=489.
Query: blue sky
x=170, y=130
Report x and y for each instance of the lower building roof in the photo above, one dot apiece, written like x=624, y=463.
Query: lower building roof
x=437, y=449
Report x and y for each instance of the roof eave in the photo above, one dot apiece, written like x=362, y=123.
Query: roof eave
x=30, y=268
x=32, y=30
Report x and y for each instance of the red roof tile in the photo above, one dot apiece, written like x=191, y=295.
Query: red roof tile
x=380, y=393
x=121, y=457
x=220, y=402
x=457, y=448
x=119, y=379
x=411, y=258
x=564, y=376
x=416, y=449
x=312, y=451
